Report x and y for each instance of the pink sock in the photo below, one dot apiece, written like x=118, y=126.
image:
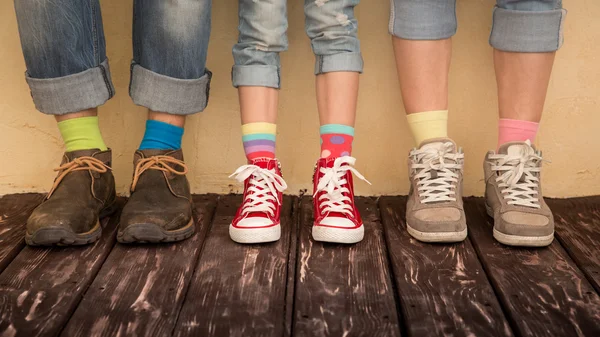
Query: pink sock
x=512, y=130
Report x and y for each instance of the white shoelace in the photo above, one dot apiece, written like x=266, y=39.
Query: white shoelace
x=518, y=176
x=335, y=185
x=263, y=188
x=436, y=172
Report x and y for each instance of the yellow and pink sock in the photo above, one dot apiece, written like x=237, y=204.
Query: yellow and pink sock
x=259, y=140
x=336, y=140
x=512, y=130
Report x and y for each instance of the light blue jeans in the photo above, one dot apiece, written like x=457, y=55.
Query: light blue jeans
x=532, y=26
x=67, y=68
x=330, y=25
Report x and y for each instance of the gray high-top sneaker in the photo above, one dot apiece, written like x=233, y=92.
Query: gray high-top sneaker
x=434, y=212
x=513, y=194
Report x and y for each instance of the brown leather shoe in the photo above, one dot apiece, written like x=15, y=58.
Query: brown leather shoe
x=160, y=206
x=83, y=193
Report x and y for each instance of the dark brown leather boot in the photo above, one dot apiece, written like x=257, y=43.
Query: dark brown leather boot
x=83, y=193
x=160, y=206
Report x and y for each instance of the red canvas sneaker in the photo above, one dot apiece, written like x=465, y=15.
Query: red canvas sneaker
x=257, y=219
x=336, y=216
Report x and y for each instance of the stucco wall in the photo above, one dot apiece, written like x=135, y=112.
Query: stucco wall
x=569, y=136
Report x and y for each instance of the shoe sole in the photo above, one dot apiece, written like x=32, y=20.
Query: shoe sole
x=519, y=240
x=59, y=236
x=255, y=235
x=440, y=237
x=338, y=235
x=152, y=233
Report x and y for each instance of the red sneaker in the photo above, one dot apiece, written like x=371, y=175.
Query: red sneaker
x=257, y=219
x=336, y=216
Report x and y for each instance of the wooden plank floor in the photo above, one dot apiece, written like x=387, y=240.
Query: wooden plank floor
x=387, y=285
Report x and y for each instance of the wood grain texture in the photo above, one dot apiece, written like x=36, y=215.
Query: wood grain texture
x=291, y=269
x=41, y=287
x=443, y=289
x=14, y=211
x=140, y=288
x=344, y=290
x=238, y=290
x=577, y=225
x=542, y=290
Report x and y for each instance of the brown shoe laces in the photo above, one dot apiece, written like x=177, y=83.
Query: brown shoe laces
x=161, y=163
x=77, y=164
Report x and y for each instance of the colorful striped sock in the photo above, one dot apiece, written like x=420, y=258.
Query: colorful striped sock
x=336, y=140
x=161, y=136
x=81, y=133
x=259, y=140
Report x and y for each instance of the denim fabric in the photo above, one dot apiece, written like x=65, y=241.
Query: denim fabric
x=330, y=25
x=67, y=68
x=518, y=25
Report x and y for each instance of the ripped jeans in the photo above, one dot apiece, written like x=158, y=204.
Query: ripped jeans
x=67, y=68
x=330, y=25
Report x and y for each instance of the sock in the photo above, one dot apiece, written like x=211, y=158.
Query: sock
x=512, y=130
x=161, y=136
x=336, y=140
x=81, y=134
x=259, y=140
x=428, y=124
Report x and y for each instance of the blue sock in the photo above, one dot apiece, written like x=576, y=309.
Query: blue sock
x=161, y=136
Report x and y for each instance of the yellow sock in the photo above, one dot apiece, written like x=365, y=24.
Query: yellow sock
x=81, y=133
x=428, y=124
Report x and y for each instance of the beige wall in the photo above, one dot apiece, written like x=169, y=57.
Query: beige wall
x=569, y=136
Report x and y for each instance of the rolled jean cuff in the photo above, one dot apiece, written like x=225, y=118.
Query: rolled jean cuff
x=62, y=95
x=168, y=94
x=256, y=76
x=351, y=62
x=527, y=31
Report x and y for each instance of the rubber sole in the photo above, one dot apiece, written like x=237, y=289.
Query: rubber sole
x=255, y=235
x=440, y=237
x=519, y=240
x=338, y=235
x=152, y=233
x=60, y=236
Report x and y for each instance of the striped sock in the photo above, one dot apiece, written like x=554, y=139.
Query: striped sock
x=336, y=140
x=259, y=140
x=81, y=133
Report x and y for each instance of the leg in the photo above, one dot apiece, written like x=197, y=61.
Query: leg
x=169, y=77
x=422, y=31
x=525, y=36
x=67, y=71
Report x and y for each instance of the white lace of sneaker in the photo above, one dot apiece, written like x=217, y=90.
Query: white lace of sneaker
x=334, y=185
x=518, y=176
x=263, y=188
x=436, y=172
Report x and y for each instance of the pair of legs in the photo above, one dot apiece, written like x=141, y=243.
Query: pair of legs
x=525, y=36
x=69, y=77
x=332, y=29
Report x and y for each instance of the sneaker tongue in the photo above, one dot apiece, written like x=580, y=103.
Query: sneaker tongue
x=436, y=143
x=265, y=163
x=514, y=148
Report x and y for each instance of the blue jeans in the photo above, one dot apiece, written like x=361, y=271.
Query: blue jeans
x=330, y=25
x=526, y=26
x=67, y=68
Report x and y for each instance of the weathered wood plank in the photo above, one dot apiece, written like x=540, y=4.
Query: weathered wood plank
x=41, y=287
x=14, y=211
x=577, y=223
x=344, y=290
x=291, y=268
x=442, y=287
x=542, y=291
x=140, y=288
x=238, y=290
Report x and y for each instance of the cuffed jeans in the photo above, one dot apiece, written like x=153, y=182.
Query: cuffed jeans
x=67, y=68
x=527, y=26
x=330, y=25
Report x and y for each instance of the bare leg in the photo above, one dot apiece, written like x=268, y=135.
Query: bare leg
x=337, y=94
x=177, y=120
x=522, y=83
x=84, y=113
x=423, y=68
x=258, y=104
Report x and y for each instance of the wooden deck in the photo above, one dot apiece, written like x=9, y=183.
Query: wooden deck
x=387, y=285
